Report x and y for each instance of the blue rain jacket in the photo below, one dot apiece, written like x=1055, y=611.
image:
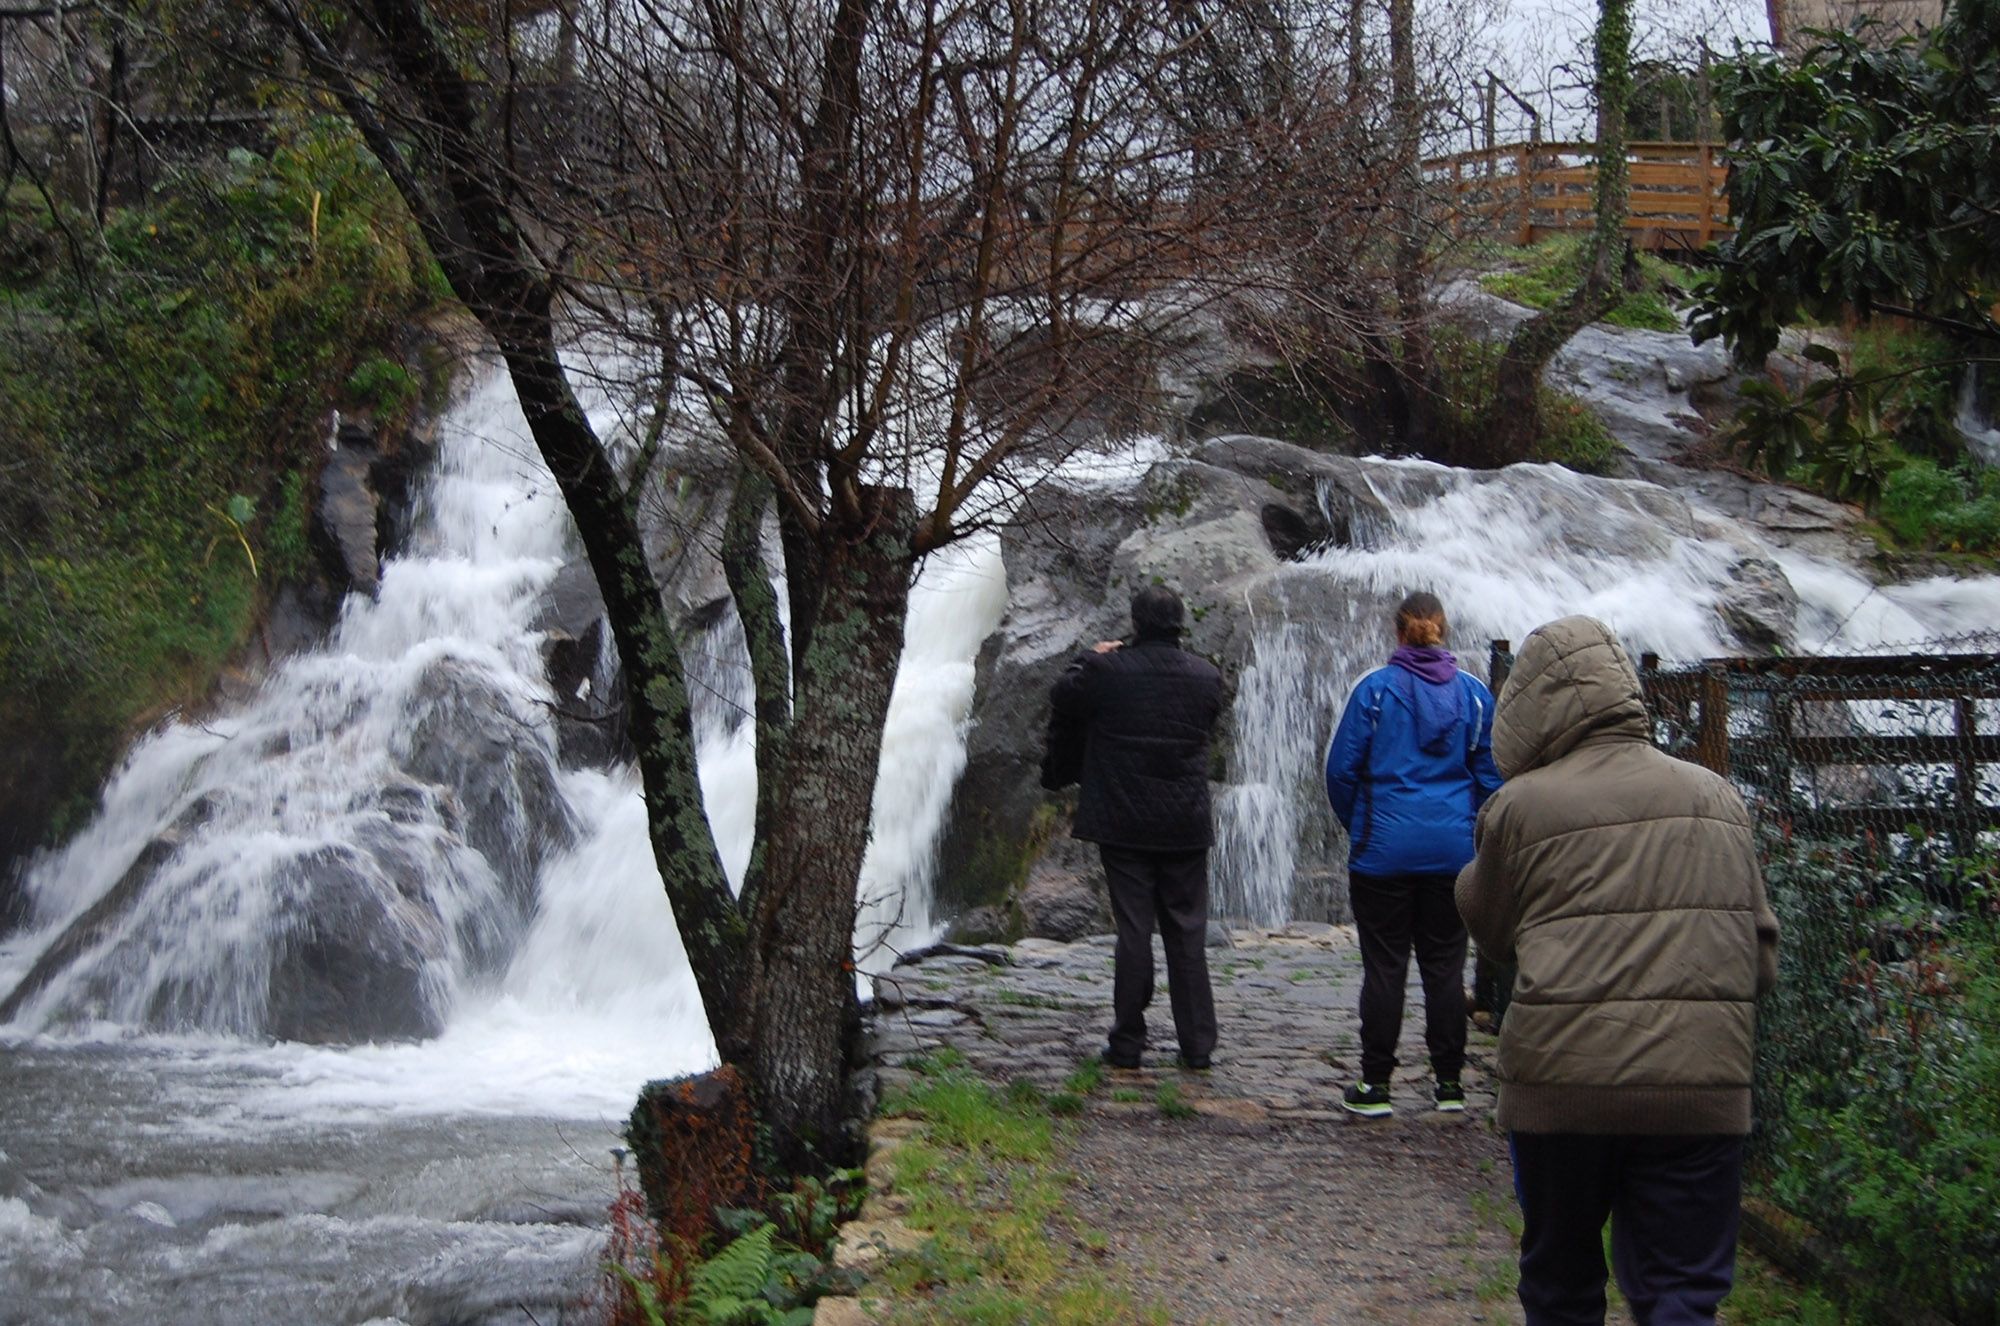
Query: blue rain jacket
x=1408, y=811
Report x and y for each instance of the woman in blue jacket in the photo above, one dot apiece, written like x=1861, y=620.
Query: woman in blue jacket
x=1408, y=769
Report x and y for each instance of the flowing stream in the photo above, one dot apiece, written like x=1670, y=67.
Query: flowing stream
x=1506, y=552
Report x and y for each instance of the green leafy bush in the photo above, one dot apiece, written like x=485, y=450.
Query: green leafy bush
x=1879, y=1072
x=1925, y=506
x=1571, y=435
x=174, y=363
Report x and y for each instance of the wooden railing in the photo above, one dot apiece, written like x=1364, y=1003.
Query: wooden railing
x=1523, y=192
x=1808, y=753
x=1801, y=736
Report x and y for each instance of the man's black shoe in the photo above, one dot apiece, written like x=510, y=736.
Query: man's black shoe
x=1110, y=1060
x=1200, y=1065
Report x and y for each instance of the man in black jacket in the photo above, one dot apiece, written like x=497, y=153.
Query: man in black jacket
x=1147, y=711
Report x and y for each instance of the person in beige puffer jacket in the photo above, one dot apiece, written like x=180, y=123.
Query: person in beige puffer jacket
x=1624, y=884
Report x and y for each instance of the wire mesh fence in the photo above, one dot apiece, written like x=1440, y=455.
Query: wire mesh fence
x=1875, y=784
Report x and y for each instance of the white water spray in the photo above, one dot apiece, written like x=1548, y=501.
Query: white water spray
x=597, y=996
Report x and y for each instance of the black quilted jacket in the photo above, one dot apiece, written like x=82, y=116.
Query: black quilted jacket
x=1149, y=709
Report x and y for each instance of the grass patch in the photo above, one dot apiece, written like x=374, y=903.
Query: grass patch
x=1025, y=999
x=1171, y=1102
x=1088, y=1077
x=984, y=1179
x=1543, y=275
x=1764, y=1296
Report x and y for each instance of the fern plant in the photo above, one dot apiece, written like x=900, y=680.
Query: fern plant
x=729, y=1289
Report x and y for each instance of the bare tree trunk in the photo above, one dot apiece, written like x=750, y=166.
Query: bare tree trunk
x=803, y=946
x=1513, y=421
x=1357, y=48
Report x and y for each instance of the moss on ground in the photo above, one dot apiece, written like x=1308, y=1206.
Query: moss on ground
x=984, y=1177
x=1543, y=275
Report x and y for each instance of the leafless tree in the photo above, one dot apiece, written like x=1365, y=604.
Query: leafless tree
x=887, y=254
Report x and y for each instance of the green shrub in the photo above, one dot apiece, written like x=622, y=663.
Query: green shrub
x=382, y=386
x=1879, y=1067
x=150, y=379
x=1925, y=506
x=1572, y=436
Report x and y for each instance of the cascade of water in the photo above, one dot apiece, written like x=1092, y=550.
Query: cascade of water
x=1976, y=418
x=380, y=807
x=1506, y=552
x=401, y=783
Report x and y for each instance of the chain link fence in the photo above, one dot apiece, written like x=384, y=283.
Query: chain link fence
x=1875, y=784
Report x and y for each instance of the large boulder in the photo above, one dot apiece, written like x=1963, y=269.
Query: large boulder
x=465, y=738
x=1065, y=897
x=356, y=925
x=355, y=963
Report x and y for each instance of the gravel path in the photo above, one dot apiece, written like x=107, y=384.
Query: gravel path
x=1270, y=1204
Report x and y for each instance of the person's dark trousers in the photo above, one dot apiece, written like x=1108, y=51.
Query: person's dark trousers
x=1392, y=913
x=1172, y=889
x=1673, y=1202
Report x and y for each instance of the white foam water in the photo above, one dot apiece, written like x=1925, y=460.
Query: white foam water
x=597, y=996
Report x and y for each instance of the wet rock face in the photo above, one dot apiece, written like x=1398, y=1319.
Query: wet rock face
x=1066, y=897
x=425, y=870
x=467, y=741
x=1224, y=526
x=583, y=671
x=345, y=516
x=354, y=968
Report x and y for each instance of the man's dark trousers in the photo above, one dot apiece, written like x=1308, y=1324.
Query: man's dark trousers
x=1172, y=888
x=1674, y=1205
x=1392, y=913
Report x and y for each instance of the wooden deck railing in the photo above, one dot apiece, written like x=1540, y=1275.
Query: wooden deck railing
x=1527, y=191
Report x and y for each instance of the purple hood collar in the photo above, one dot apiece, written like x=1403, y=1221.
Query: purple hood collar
x=1435, y=665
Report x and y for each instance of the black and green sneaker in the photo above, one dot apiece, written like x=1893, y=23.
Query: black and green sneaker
x=1450, y=1097
x=1369, y=1099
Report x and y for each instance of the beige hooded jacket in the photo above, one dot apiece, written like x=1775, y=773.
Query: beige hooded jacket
x=1625, y=885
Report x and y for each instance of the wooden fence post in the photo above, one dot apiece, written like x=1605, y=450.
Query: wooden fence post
x=1965, y=776
x=1523, y=164
x=1711, y=743
x=1499, y=664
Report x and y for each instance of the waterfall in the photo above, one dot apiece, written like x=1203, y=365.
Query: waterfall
x=1975, y=419
x=1506, y=551
x=392, y=803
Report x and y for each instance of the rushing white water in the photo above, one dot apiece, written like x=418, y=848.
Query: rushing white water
x=1980, y=429
x=555, y=978
x=1507, y=552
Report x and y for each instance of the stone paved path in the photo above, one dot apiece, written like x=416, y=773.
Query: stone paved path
x=1270, y=1204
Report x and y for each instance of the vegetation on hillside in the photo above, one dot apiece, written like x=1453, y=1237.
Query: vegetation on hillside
x=1542, y=275
x=166, y=378
x=1866, y=190
x=1879, y=1079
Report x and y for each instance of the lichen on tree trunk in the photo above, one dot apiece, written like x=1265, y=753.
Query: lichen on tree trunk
x=801, y=996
